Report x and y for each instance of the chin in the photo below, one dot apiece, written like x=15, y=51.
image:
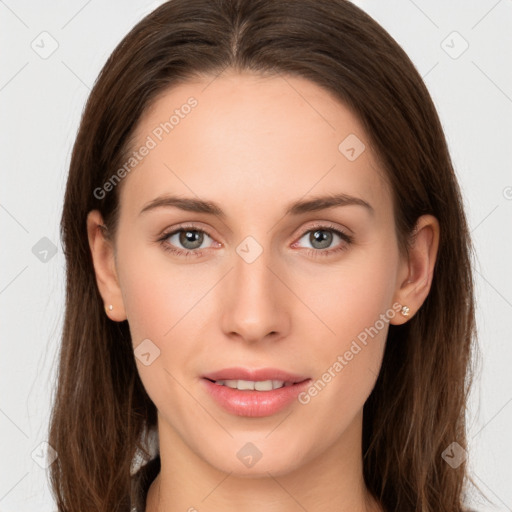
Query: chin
x=256, y=458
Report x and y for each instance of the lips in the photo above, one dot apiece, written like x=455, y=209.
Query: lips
x=249, y=401
x=262, y=374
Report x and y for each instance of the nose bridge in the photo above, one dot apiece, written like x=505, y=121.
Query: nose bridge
x=254, y=304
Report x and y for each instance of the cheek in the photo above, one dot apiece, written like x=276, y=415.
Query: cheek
x=164, y=304
x=355, y=303
x=159, y=303
x=156, y=292
x=351, y=295
x=145, y=296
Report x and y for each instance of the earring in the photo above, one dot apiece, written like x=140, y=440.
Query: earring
x=405, y=311
x=109, y=308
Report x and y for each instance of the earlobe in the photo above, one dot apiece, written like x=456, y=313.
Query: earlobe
x=415, y=279
x=102, y=252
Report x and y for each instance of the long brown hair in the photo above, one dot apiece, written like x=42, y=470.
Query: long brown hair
x=417, y=408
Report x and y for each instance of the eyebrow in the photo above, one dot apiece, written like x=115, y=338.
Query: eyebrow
x=296, y=208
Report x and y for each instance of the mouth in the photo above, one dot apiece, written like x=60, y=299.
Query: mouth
x=254, y=393
x=263, y=379
x=254, y=385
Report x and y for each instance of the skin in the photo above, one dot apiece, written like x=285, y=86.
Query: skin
x=253, y=145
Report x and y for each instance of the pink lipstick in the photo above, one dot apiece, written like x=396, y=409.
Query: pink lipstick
x=254, y=392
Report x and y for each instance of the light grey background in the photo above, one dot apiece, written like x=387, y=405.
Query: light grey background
x=41, y=100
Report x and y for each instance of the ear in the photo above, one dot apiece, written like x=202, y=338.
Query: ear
x=417, y=269
x=102, y=251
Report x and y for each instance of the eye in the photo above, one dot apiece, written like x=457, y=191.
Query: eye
x=322, y=237
x=185, y=241
x=189, y=239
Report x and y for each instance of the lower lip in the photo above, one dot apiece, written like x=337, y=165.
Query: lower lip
x=255, y=404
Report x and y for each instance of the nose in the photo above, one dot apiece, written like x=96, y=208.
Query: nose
x=255, y=303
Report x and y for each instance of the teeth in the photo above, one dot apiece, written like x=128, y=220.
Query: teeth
x=260, y=385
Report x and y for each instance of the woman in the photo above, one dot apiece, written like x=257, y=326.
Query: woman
x=269, y=287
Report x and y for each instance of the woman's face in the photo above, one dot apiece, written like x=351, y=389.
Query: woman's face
x=254, y=285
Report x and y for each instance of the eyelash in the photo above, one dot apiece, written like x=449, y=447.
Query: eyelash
x=312, y=252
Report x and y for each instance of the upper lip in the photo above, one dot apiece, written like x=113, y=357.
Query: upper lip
x=253, y=374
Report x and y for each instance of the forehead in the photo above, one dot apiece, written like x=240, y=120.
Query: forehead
x=247, y=138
